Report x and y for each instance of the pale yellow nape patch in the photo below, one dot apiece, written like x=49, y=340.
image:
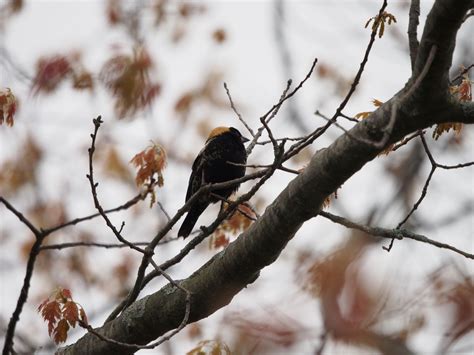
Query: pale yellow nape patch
x=217, y=131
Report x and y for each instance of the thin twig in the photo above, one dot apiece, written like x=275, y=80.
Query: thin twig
x=464, y=71
x=223, y=199
x=406, y=140
x=267, y=119
x=295, y=139
x=420, y=199
x=361, y=66
x=263, y=166
x=352, y=119
x=111, y=341
x=21, y=217
x=268, y=116
x=457, y=166
x=342, y=128
x=391, y=233
x=97, y=122
x=75, y=221
x=162, y=208
x=239, y=116
x=434, y=165
x=93, y=244
x=297, y=147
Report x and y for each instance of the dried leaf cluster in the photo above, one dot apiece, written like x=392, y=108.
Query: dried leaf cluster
x=8, y=106
x=61, y=313
x=150, y=163
x=379, y=22
x=238, y=222
x=128, y=80
x=463, y=93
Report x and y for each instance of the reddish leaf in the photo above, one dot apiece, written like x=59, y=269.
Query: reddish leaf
x=127, y=78
x=150, y=162
x=66, y=293
x=71, y=313
x=8, y=106
x=60, y=332
x=219, y=240
x=50, y=71
x=51, y=312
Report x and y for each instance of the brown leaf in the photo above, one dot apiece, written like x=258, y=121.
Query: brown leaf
x=51, y=313
x=60, y=332
x=115, y=167
x=219, y=35
x=71, y=313
x=446, y=127
x=8, y=106
x=21, y=170
x=50, y=72
x=363, y=115
x=210, y=347
x=128, y=80
x=150, y=163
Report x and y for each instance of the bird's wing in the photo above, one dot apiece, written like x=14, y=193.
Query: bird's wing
x=196, y=176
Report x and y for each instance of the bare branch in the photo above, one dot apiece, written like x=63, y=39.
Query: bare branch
x=91, y=244
x=219, y=197
x=407, y=139
x=267, y=119
x=392, y=233
x=434, y=165
x=239, y=116
x=21, y=217
x=361, y=66
x=420, y=199
x=297, y=147
x=75, y=221
x=464, y=71
x=97, y=122
x=162, y=208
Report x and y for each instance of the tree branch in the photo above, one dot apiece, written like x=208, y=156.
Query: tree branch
x=413, y=21
x=391, y=233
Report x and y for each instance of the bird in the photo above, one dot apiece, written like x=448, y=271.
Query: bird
x=223, y=158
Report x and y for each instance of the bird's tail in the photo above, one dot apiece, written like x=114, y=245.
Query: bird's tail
x=190, y=220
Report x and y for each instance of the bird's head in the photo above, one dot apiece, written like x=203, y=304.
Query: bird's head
x=218, y=131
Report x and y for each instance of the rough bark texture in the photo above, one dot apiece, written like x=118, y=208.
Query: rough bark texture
x=215, y=284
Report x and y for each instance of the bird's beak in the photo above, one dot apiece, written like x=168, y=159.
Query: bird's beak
x=244, y=139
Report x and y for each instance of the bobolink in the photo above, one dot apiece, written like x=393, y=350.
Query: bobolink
x=223, y=146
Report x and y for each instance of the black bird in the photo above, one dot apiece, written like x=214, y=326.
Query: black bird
x=224, y=145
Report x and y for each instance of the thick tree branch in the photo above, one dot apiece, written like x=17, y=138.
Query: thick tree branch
x=413, y=21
